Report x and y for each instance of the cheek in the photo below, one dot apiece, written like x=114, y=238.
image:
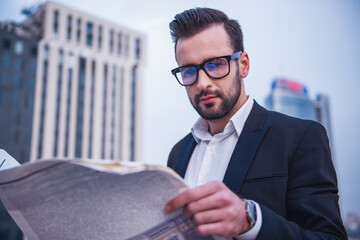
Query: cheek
x=190, y=92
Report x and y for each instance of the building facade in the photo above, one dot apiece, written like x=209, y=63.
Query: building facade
x=291, y=98
x=17, y=85
x=87, y=100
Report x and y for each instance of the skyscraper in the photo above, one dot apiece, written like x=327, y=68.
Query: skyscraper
x=323, y=112
x=17, y=83
x=87, y=96
x=291, y=98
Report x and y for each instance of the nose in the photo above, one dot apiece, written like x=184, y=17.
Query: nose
x=204, y=81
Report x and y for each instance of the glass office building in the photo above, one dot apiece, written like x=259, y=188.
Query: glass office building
x=292, y=98
x=17, y=83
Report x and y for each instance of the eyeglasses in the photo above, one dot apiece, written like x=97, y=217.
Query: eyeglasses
x=215, y=68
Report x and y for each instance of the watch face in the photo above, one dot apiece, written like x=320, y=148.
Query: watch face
x=251, y=211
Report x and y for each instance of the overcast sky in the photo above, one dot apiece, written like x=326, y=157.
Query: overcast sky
x=316, y=43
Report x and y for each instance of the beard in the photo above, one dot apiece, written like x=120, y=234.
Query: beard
x=229, y=99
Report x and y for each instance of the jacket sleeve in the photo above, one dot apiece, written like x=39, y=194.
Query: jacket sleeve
x=312, y=210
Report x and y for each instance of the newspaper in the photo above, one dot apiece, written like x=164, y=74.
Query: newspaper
x=84, y=199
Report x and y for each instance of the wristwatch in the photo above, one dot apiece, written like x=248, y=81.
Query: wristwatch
x=250, y=212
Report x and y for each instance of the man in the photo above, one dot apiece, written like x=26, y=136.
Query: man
x=253, y=174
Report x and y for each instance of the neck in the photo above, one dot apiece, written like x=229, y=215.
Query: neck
x=218, y=125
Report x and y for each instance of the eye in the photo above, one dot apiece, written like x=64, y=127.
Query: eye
x=216, y=64
x=188, y=71
x=211, y=66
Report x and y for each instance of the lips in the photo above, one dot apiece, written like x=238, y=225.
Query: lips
x=207, y=99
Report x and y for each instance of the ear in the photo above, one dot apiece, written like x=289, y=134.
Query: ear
x=244, y=65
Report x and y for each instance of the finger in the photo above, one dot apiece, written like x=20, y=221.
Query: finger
x=227, y=221
x=216, y=200
x=191, y=195
x=207, y=217
x=230, y=213
x=222, y=228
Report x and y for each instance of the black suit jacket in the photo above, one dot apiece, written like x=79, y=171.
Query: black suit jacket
x=285, y=165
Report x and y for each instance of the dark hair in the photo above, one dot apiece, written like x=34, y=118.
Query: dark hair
x=193, y=21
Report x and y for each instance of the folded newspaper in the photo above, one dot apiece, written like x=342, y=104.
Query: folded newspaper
x=84, y=199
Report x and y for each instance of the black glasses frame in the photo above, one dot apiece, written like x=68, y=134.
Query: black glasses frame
x=202, y=66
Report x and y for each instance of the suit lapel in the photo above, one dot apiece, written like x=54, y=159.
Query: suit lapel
x=245, y=149
x=183, y=158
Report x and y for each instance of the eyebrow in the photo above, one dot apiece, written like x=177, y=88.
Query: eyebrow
x=190, y=64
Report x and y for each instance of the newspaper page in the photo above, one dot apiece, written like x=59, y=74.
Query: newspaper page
x=7, y=161
x=177, y=228
x=75, y=199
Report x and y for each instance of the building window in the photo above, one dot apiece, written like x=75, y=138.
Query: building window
x=111, y=43
x=16, y=82
x=13, y=116
x=18, y=118
x=56, y=23
x=26, y=101
x=14, y=99
x=33, y=51
x=58, y=101
x=104, y=111
x=121, y=107
x=99, y=37
x=126, y=46
x=137, y=48
x=68, y=105
x=80, y=104
x=119, y=43
x=113, y=101
x=32, y=84
x=133, y=113
x=18, y=47
x=3, y=79
x=6, y=44
x=60, y=57
x=33, y=66
x=43, y=100
x=46, y=54
x=93, y=65
x=17, y=137
x=69, y=28
x=78, y=30
x=17, y=64
x=5, y=60
x=89, y=34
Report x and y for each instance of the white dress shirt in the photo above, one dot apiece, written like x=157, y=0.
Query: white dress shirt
x=212, y=154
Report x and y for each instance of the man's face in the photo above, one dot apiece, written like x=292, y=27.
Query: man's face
x=211, y=98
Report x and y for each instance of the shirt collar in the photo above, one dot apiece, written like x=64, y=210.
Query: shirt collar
x=236, y=123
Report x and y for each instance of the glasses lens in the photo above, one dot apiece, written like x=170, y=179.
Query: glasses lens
x=187, y=75
x=217, y=68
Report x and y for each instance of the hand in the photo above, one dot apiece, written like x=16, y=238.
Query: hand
x=213, y=208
